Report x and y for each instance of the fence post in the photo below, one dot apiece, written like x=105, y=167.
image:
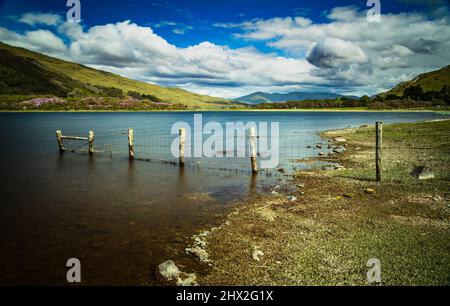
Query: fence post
x=60, y=141
x=379, y=143
x=91, y=142
x=131, y=144
x=253, y=150
x=181, y=147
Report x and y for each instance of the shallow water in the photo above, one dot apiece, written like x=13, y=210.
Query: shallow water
x=121, y=219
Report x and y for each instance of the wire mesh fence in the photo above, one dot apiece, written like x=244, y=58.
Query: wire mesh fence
x=293, y=152
x=288, y=152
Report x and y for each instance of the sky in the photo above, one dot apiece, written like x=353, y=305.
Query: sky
x=231, y=48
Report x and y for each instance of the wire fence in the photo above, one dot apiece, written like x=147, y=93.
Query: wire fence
x=289, y=152
x=292, y=152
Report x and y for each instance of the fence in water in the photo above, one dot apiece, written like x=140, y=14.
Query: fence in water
x=291, y=151
x=295, y=151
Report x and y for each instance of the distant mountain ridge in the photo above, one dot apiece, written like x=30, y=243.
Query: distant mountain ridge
x=262, y=97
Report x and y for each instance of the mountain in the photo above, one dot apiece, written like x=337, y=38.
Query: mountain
x=24, y=72
x=433, y=80
x=262, y=97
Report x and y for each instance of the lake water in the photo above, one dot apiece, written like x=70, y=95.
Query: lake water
x=120, y=218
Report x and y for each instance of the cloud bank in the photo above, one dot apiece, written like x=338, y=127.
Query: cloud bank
x=346, y=54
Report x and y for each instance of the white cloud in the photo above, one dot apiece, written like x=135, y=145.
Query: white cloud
x=34, y=19
x=343, y=13
x=40, y=40
x=357, y=55
x=334, y=52
x=137, y=52
x=345, y=54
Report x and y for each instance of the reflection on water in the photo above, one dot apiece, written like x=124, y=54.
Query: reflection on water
x=119, y=218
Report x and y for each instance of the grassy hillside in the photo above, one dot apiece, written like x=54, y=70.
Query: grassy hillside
x=433, y=80
x=25, y=72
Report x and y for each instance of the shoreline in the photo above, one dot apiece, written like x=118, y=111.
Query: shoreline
x=444, y=112
x=334, y=201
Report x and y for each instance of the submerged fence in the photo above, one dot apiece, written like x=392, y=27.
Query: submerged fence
x=292, y=150
x=295, y=151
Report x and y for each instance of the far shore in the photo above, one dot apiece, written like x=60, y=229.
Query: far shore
x=355, y=110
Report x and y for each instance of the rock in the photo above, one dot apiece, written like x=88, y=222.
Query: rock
x=292, y=198
x=187, y=279
x=369, y=191
x=338, y=150
x=198, y=241
x=321, y=154
x=167, y=271
x=340, y=139
x=200, y=253
x=301, y=185
x=204, y=234
x=319, y=146
x=275, y=193
x=330, y=146
x=308, y=147
x=339, y=167
x=423, y=173
x=256, y=254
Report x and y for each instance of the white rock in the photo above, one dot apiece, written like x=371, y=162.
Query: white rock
x=292, y=198
x=256, y=254
x=187, y=279
x=168, y=271
x=340, y=139
x=200, y=253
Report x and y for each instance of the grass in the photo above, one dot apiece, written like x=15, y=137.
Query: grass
x=344, y=218
x=405, y=146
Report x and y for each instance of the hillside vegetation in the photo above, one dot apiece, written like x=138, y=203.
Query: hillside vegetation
x=430, y=81
x=23, y=72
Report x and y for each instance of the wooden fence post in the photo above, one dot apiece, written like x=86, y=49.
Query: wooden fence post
x=379, y=143
x=253, y=150
x=60, y=141
x=91, y=142
x=181, y=147
x=131, y=144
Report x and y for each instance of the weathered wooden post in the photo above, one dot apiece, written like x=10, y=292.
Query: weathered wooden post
x=131, y=144
x=60, y=141
x=181, y=147
x=91, y=142
x=379, y=143
x=253, y=150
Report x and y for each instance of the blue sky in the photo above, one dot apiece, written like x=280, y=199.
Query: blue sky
x=230, y=48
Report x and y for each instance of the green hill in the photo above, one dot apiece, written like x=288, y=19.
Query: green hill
x=24, y=72
x=433, y=80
